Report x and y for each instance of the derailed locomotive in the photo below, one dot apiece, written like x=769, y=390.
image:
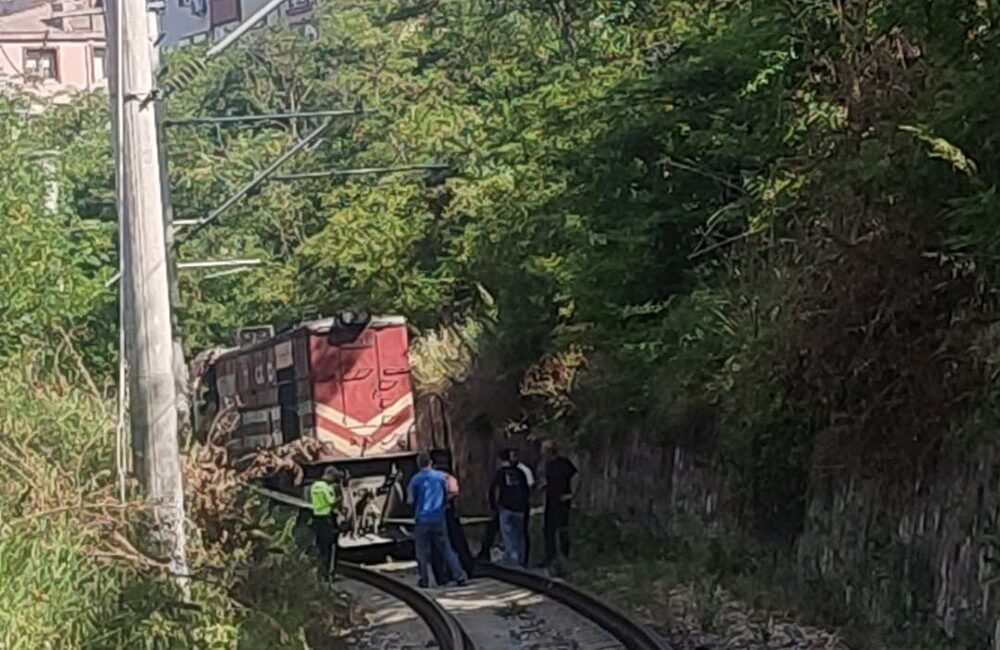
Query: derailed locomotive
x=344, y=382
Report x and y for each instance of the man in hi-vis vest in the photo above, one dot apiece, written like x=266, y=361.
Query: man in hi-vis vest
x=327, y=501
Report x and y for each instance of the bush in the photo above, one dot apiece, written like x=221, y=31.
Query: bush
x=71, y=575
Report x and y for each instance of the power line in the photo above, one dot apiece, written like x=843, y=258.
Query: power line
x=233, y=119
x=215, y=264
x=259, y=178
x=361, y=171
x=220, y=274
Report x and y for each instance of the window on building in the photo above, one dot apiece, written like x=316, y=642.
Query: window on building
x=224, y=12
x=99, y=71
x=41, y=64
x=298, y=6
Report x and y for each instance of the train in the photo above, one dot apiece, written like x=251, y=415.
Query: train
x=344, y=382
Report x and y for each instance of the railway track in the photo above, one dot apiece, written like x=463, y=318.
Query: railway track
x=631, y=634
x=445, y=610
x=447, y=633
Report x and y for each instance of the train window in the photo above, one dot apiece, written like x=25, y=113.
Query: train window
x=227, y=384
x=283, y=355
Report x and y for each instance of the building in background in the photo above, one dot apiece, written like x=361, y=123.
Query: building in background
x=52, y=50
x=225, y=15
x=56, y=48
x=185, y=21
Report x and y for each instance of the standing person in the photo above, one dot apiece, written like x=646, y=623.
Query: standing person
x=509, y=496
x=493, y=525
x=428, y=492
x=515, y=461
x=326, y=498
x=560, y=489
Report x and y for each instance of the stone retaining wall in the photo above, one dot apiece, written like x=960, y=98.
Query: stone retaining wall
x=887, y=552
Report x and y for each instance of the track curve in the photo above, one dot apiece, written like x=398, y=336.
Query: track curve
x=632, y=635
x=446, y=631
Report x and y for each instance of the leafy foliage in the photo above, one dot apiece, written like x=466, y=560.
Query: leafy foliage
x=55, y=258
x=779, y=214
x=742, y=206
x=72, y=574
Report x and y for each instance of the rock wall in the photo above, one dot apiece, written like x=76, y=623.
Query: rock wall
x=664, y=486
x=886, y=551
x=897, y=550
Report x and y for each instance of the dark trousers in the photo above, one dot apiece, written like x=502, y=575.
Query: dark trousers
x=459, y=544
x=527, y=538
x=327, y=532
x=556, y=531
x=490, y=537
x=430, y=539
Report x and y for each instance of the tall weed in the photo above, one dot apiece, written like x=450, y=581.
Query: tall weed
x=72, y=573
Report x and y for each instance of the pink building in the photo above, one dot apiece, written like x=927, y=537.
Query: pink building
x=55, y=48
x=52, y=49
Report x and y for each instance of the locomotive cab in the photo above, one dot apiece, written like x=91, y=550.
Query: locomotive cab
x=345, y=383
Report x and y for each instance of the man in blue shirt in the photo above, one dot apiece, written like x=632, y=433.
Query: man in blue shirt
x=428, y=493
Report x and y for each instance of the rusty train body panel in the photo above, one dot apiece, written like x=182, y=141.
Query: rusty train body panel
x=344, y=381
x=353, y=395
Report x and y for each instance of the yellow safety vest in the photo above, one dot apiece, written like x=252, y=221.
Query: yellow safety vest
x=324, y=497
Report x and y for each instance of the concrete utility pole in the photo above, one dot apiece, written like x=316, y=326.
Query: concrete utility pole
x=146, y=284
x=181, y=383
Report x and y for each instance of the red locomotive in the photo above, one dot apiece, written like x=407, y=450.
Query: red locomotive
x=344, y=381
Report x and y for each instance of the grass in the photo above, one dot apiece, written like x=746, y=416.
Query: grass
x=72, y=572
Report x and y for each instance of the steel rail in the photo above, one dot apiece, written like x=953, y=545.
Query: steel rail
x=447, y=633
x=632, y=635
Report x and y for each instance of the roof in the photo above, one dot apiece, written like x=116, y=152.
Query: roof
x=321, y=326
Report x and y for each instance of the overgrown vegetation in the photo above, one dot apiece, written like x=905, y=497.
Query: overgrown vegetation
x=767, y=208
x=74, y=574
x=704, y=592
x=771, y=217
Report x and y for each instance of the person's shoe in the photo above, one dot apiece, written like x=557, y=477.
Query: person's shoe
x=423, y=585
x=461, y=583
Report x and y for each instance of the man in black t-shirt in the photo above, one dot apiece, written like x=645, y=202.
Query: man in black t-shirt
x=509, y=498
x=560, y=488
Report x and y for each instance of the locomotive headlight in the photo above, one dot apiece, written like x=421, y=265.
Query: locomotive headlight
x=347, y=325
x=351, y=318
